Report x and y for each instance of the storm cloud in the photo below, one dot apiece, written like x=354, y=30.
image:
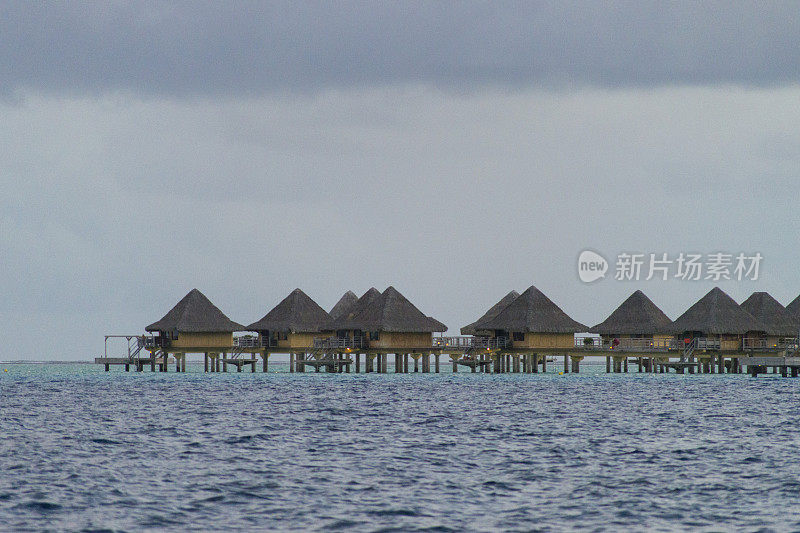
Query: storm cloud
x=209, y=48
x=453, y=150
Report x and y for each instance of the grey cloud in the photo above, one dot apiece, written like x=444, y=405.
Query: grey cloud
x=210, y=48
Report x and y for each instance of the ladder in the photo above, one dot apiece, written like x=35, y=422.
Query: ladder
x=135, y=345
x=688, y=350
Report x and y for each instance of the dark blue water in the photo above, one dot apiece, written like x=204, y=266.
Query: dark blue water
x=82, y=449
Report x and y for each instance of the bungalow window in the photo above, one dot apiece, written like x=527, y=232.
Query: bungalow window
x=374, y=335
x=283, y=336
x=518, y=336
x=174, y=335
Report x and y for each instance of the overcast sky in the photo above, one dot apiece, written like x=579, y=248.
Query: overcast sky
x=455, y=151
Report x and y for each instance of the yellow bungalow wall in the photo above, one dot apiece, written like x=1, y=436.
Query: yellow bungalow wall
x=402, y=340
x=202, y=340
x=546, y=340
x=303, y=340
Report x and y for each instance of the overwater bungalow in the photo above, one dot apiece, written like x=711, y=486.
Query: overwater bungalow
x=718, y=322
x=194, y=325
x=780, y=324
x=391, y=322
x=493, y=311
x=636, y=323
x=532, y=321
x=344, y=305
x=347, y=331
x=293, y=324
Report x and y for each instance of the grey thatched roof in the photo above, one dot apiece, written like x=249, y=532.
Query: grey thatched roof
x=716, y=313
x=195, y=314
x=297, y=313
x=469, y=329
x=436, y=325
x=637, y=315
x=533, y=312
x=771, y=313
x=392, y=312
x=794, y=307
x=344, y=305
x=346, y=321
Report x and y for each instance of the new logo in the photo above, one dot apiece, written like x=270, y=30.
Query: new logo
x=591, y=266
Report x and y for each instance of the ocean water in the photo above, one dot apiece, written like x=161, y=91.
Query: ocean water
x=81, y=449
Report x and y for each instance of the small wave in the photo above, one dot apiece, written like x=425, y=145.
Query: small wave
x=106, y=441
x=394, y=512
x=341, y=524
x=41, y=506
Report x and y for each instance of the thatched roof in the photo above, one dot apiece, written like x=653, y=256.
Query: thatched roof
x=772, y=314
x=343, y=306
x=346, y=321
x=533, y=312
x=297, y=313
x=436, y=325
x=794, y=307
x=392, y=312
x=637, y=315
x=491, y=313
x=195, y=314
x=716, y=313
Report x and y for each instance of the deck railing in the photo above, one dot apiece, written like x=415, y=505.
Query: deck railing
x=644, y=345
x=663, y=345
x=340, y=343
x=783, y=343
x=248, y=341
x=626, y=344
x=469, y=342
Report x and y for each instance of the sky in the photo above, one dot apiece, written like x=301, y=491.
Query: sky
x=453, y=150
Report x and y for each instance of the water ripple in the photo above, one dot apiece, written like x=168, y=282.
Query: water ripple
x=89, y=451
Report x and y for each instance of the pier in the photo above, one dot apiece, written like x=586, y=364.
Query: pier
x=519, y=334
x=474, y=354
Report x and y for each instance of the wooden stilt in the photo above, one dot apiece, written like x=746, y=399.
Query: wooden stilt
x=455, y=365
x=535, y=367
x=566, y=364
x=416, y=364
x=608, y=364
x=265, y=362
x=436, y=362
x=358, y=363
